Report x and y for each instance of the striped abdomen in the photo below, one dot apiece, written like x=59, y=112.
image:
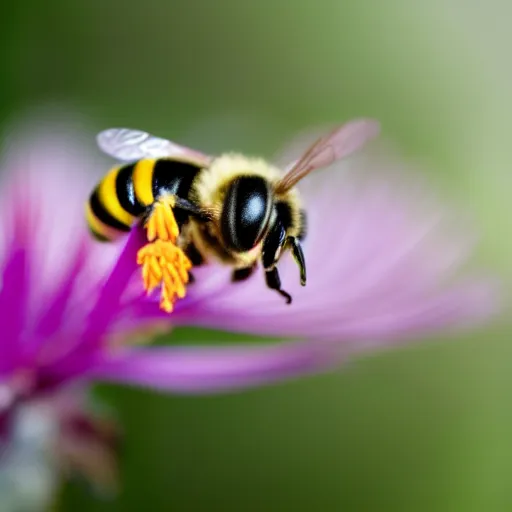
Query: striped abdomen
x=126, y=193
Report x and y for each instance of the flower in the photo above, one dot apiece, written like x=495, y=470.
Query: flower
x=385, y=263
x=380, y=257
x=382, y=263
x=59, y=297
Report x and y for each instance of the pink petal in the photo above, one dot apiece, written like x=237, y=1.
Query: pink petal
x=51, y=171
x=51, y=168
x=108, y=302
x=13, y=300
x=207, y=370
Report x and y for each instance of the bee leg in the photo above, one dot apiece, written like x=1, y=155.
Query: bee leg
x=272, y=247
x=191, y=208
x=241, y=274
x=274, y=283
x=298, y=256
x=194, y=255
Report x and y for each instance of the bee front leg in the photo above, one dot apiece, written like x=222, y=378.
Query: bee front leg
x=298, y=256
x=272, y=247
x=274, y=283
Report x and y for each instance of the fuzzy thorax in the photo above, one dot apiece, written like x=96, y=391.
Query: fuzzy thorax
x=163, y=262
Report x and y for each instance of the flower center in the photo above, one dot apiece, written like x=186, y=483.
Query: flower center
x=163, y=262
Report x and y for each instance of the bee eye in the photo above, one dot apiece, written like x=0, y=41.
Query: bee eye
x=246, y=212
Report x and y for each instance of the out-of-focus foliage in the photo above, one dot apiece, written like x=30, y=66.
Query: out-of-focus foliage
x=426, y=428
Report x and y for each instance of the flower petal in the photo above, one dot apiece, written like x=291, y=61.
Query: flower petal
x=52, y=166
x=107, y=305
x=51, y=169
x=13, y=302
x=207, y=370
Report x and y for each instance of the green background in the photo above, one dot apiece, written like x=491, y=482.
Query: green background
x=423, y=428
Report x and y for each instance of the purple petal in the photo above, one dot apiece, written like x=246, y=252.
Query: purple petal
x=108, y=303
x=52, y=318
x=62, y=293
x=383, y=262
x=51, y=168
x=13, y=302
x=383, y=257
x=207, y=370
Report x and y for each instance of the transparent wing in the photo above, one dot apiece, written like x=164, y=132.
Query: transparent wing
x=339, y=143
x=129, y=145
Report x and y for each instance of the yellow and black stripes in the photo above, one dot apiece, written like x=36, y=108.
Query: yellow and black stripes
x=102, y=223
x=142, y=178
x=106, y=216
x=126, y=193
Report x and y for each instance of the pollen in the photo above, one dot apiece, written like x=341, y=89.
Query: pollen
x=164, y=264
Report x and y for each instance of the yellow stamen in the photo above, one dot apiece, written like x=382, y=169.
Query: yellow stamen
x=163, y=262
x=162, y=223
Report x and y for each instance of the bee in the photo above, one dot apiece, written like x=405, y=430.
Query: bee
x=238, y=210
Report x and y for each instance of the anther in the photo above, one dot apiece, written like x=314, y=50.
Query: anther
x=163, y=263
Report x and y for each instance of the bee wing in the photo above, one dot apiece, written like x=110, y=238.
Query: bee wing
x=129, y=145
x=339, y=143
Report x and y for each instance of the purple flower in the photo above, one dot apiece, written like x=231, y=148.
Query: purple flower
x=385, y=261
x=383, y=265
x=382, y=261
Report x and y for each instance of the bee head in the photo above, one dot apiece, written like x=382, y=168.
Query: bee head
x=246, y=212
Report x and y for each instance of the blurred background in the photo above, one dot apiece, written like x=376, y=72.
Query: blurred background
x=423, y=428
